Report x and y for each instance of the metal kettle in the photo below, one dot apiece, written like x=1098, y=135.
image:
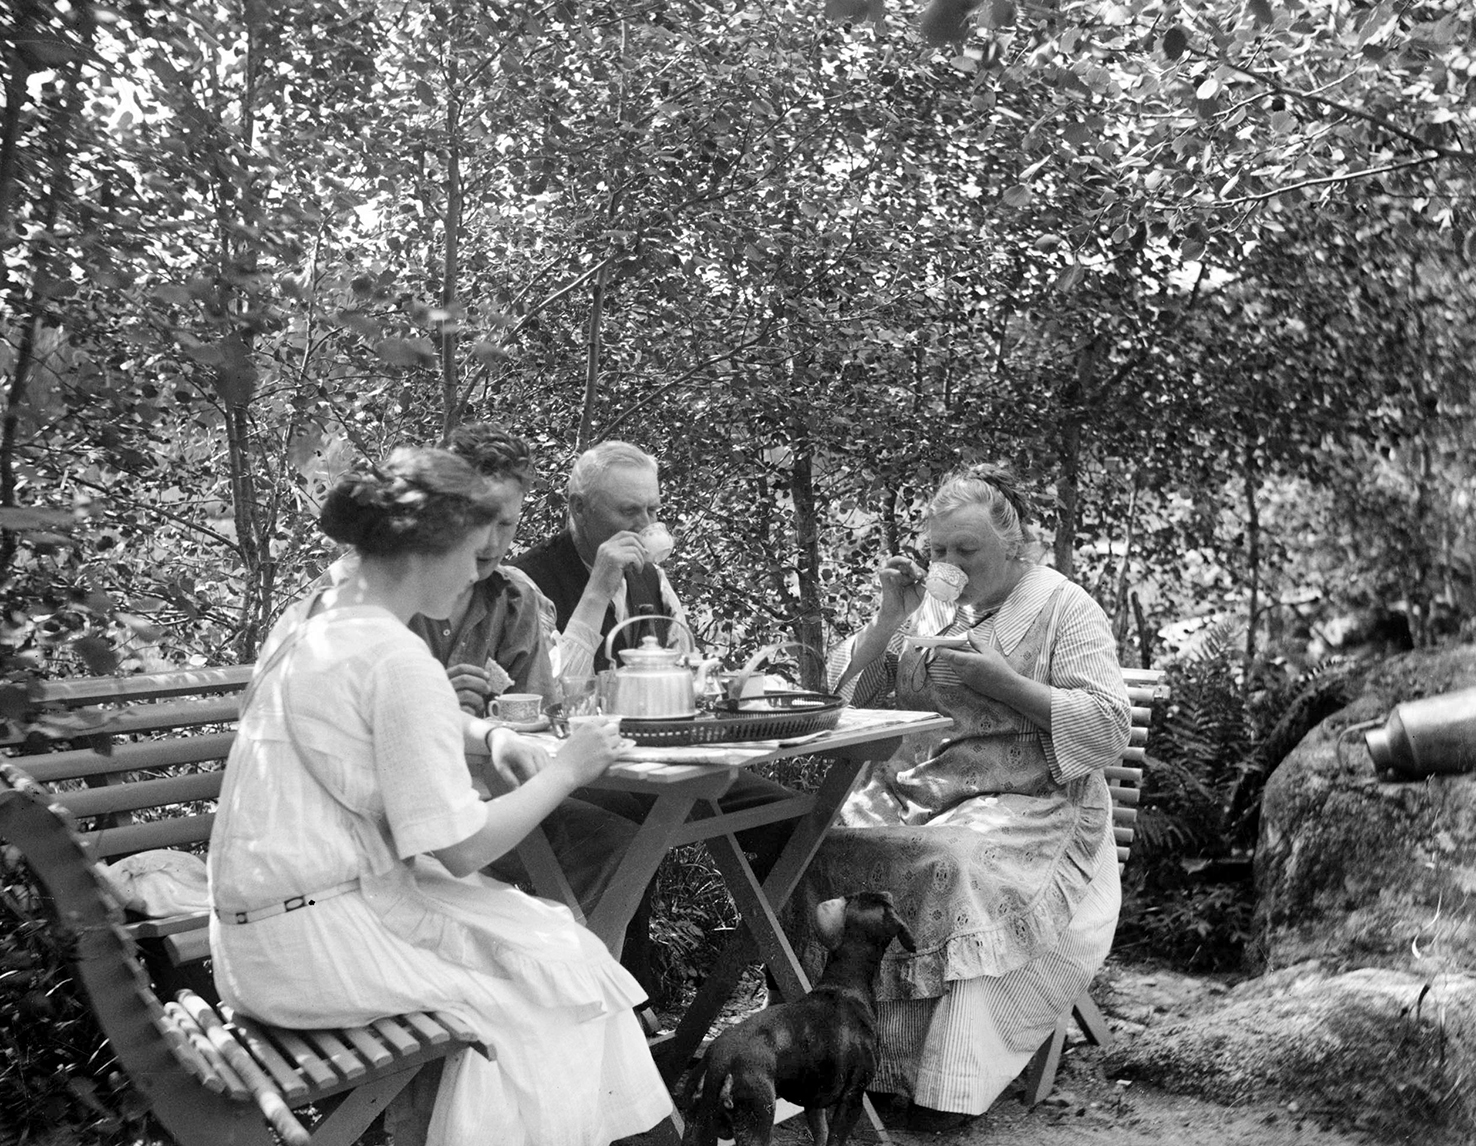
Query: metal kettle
x=654, y=682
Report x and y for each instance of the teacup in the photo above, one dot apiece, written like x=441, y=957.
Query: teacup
x=517, y=707
x=946, y=581
x=658, y=542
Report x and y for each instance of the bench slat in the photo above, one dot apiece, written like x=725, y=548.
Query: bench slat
x=331, y=1047
x=369, y=1047
x=430, y=1031
x=168, y=925
x=396, y=1035
x=1127, y=797
x=462, y=1031
x=297, y=1050
x=184, y=1051
x=138, y=794
x=283, y=1072
x=145, y=686
x=188, y=947
x=202, y=1045
x=130, y=838
x=79, y=764
x=159, y=717
x=1124, y=775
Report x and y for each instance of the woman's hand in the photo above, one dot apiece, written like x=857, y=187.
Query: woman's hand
x=514, y=759
x=902, y=587
x=984, y=670
x=988, y=673
x=591, y=748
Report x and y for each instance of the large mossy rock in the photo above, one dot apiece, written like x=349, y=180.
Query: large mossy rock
x=1366, y=1012
x=1355, y=871
x=1382, y=1051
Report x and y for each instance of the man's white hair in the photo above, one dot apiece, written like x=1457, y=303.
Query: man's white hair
x=591, y=467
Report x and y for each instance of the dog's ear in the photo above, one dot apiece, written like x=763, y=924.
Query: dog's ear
x=830, y=922
x=904, y=936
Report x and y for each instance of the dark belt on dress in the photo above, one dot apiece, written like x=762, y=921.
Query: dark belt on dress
x=295, y=903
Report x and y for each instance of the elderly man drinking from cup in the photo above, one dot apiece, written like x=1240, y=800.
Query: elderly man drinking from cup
x=605, y=565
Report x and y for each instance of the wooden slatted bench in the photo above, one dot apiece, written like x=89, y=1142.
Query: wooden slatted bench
x=209, y=1076
x=1146, y=690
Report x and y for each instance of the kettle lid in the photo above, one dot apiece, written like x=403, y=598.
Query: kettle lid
x=650, y=654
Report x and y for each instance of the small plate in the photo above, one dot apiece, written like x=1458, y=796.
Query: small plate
x=540, y=725
x=954, y=642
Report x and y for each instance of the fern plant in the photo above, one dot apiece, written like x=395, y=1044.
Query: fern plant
x=1188, y=895
x=1198, y=748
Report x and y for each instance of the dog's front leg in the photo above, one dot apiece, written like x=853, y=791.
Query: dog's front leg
x=815, y=1116
x=845, y=1112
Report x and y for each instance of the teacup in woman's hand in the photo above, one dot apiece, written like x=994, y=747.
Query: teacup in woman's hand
x=946, y=581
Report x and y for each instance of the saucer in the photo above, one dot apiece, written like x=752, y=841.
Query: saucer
x=539, y=725
x=954, y=642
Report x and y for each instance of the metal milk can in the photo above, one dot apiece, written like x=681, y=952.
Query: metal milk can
x=1427, y=737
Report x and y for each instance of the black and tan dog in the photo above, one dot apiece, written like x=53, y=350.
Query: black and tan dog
x=819, y=1052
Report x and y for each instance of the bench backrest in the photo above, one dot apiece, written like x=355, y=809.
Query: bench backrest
x=153, y=793
x=1146, y=691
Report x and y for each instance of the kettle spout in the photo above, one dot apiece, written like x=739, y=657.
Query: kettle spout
x=701, y=667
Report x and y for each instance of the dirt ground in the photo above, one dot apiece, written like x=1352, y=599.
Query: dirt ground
x=1088, y=1108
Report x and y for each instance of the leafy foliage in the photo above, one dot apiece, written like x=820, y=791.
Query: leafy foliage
x=56, y=1071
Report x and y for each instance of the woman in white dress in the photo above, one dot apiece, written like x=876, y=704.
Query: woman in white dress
x=347, y=791
x=994, y=837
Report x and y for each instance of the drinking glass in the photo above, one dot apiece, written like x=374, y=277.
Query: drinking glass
x=581, y=697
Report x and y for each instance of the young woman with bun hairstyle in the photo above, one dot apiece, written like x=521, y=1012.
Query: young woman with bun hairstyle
x=994, y=837
x=346, y=856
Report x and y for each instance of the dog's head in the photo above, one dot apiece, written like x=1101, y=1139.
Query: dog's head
x=870, y=914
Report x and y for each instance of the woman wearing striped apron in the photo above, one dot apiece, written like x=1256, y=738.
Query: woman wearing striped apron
x=994, y=837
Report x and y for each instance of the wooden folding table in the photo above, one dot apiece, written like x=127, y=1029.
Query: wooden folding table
x=687, y=784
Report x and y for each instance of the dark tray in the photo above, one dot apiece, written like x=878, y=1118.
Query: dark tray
x=786, y=714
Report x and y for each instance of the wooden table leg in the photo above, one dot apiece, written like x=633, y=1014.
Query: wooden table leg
x=547, y=877
x=644, y=855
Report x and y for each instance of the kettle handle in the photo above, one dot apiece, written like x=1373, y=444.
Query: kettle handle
x=610, y=638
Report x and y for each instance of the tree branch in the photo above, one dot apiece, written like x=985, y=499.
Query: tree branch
x=1323, y=180
x=1346, y=109
x=174, y=517
x=681, y=379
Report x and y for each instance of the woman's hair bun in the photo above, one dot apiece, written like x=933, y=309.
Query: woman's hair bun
x=420, y=500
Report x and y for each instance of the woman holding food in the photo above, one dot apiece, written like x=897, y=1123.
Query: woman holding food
x=994, y=837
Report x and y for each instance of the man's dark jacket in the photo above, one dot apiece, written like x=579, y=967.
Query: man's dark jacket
x=556, y=567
